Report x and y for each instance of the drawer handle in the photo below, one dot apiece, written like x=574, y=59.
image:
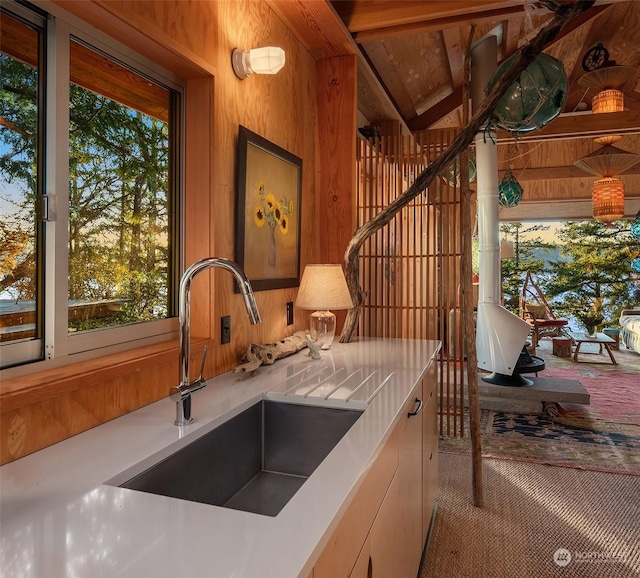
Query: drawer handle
x=418, y=409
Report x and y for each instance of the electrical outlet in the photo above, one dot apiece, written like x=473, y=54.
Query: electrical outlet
x=290, y=313
x=225, y=329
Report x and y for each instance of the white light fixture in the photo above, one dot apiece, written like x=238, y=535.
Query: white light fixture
x=323, y=287
x=265, y=60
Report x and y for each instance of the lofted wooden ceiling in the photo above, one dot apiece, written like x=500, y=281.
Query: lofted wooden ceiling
x=411, y=58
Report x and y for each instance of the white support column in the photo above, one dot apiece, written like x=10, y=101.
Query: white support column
x=500, y=335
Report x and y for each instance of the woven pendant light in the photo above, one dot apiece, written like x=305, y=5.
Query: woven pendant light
x=608, y=200
x=608, y=101
x=607, y=161
x=608, y=79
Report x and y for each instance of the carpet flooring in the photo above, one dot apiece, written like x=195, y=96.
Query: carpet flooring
x=571, y=441
x=614, y=389
x=537, y=521
x=603, y=436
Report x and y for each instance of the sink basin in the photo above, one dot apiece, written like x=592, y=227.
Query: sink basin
x=255, y=461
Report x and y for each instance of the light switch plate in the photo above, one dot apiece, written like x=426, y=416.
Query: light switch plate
x=225, y=329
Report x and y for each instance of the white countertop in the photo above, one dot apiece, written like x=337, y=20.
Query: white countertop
x=59, y=518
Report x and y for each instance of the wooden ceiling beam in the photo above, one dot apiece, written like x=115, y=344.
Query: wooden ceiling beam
x=554, y=173
x=434, y=25
x=581, y=125
x=375, y=14
x=447, y=106
x=316, y=25
x=319, y=28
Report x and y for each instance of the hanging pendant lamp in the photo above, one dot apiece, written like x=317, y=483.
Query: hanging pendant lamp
x=607, y=161
x=608, y=200
x=608, y=192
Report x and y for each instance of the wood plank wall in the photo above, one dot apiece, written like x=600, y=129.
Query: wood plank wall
x=410, y=269
x=194, y=40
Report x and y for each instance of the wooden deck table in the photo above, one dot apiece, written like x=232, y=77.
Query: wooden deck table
x=600, y=338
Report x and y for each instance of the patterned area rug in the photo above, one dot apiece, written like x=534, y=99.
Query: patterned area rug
x=567, y=440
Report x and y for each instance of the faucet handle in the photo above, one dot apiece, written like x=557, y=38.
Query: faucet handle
x=204, y=359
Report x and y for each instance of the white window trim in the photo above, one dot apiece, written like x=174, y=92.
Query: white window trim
x=61, y=348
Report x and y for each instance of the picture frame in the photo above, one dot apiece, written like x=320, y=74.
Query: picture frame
x=268, y=212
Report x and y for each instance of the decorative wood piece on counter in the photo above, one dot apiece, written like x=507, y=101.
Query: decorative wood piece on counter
x=525, y=55
x=269, y=353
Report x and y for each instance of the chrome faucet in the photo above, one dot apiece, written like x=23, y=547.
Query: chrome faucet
x=181, y=393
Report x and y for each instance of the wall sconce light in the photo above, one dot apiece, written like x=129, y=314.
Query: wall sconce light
x=265, y=60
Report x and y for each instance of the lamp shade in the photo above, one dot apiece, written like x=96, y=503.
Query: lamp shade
x=265, y=60
x=608, y=77
x=608, y=101
x=608, y=200
x=323, y=287
x=607, y=161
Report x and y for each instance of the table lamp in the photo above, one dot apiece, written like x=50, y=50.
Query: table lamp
x=323, y=287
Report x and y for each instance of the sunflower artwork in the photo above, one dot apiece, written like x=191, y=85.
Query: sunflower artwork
x=273, y=212
x=268, y=211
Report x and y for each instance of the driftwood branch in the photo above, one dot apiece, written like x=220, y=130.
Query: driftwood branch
x=467, y=292
x=525, y=55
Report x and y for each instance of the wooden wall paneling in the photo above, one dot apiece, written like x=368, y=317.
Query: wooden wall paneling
x=41, y=409
x=183, y=37
x=337, y=106
x=197, y=203
x=282, y=108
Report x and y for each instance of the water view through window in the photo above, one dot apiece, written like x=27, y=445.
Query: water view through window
x=89, y=243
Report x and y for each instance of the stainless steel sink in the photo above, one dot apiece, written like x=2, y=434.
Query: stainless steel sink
x=255, y=462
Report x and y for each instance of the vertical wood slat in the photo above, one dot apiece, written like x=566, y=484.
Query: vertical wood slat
x=411, y=268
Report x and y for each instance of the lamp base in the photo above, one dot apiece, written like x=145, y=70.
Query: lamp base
x=322, y=326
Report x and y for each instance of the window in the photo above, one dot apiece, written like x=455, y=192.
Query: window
x=88, y=208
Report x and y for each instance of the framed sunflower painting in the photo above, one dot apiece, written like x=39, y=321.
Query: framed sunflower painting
x=268, y=213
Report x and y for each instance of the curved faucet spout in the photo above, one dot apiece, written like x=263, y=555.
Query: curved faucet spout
x=182, y=392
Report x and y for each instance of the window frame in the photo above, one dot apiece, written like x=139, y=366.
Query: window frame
x=57, y=347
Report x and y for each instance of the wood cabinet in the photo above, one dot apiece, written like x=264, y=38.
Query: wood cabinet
x=429, y=449
x=390, y=543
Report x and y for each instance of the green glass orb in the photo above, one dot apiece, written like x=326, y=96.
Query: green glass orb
x=535, y=98
x=635, y=264
x=509, y=190
x=451, y=175
x=635, y=228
